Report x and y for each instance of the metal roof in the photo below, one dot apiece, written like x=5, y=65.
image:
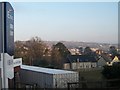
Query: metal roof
x=82, y=58
x=46, y=70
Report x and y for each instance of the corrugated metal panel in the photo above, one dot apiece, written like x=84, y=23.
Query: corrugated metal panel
x=61, y=80
x=47, y=79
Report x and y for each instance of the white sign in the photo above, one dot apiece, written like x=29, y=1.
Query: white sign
x=17, y=62
x=10, y=63
x=9, y=66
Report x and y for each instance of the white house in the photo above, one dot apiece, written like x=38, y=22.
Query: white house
x=80, y=61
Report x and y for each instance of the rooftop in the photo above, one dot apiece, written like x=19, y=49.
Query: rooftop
x=46, y=70
x=82, y=58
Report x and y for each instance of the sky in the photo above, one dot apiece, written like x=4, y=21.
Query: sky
x=66, y=21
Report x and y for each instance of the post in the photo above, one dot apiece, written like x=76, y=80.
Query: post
x=4, y=80
x=7, y=41
x=68, y=85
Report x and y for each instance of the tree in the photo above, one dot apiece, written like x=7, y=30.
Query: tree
x=32, y=51
x=112, y=72
x=81, y=50
x=62, y=49
x=59, y=54
x=36, y=50
x=56, y=58
x=113, y=50
x=87, y=51
x=21, y=51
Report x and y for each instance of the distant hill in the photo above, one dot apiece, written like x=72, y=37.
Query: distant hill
x=73, y=44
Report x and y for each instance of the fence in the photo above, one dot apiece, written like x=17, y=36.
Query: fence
x=113, y=84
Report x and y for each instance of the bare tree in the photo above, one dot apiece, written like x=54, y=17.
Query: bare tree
x=32, y=51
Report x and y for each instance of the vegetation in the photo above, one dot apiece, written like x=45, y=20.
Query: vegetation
x=59, y=54
x=88, y=51
x=91, y=74
x=113, y=51
x=36, y=52
x=112, y=72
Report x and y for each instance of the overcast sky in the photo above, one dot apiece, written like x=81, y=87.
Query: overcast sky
x=67, y=21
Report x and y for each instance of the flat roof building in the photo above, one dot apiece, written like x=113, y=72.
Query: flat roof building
x=47, y=78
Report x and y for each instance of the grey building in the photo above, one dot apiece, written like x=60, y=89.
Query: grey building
x=47, y=78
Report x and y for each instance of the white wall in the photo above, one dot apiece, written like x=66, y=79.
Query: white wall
x=80, y=65
x=66, y=66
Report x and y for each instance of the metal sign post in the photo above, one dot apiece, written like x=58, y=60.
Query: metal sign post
x=4, y=81
x=6, y=42
x=7, y=63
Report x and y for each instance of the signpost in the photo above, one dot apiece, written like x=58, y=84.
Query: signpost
x=7, y=63
x=7, y=39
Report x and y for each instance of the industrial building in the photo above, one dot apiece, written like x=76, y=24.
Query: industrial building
x=47, y=78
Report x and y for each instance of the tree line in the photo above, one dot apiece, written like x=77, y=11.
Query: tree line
x=35, y=52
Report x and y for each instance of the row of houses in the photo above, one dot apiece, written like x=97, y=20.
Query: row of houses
x=83, y=61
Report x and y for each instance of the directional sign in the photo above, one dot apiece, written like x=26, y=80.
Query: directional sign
x=9, y=67
x=10, y=63
x=6, y=28
x=17, y=62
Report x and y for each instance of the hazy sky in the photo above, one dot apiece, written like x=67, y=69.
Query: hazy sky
x=67, y=21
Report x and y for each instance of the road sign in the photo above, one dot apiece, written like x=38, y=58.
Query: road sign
x=9, y=29
x=6, y=28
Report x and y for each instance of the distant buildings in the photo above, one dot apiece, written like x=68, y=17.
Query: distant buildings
x=80, y=51
x=83, y=61
x=87, y=61
x=80, y=61
x=75, y=51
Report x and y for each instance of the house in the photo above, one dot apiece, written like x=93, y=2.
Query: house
x=74, y=51
x=80, y=61
x=103, y=60
x=66, y=65
x=115, y=60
